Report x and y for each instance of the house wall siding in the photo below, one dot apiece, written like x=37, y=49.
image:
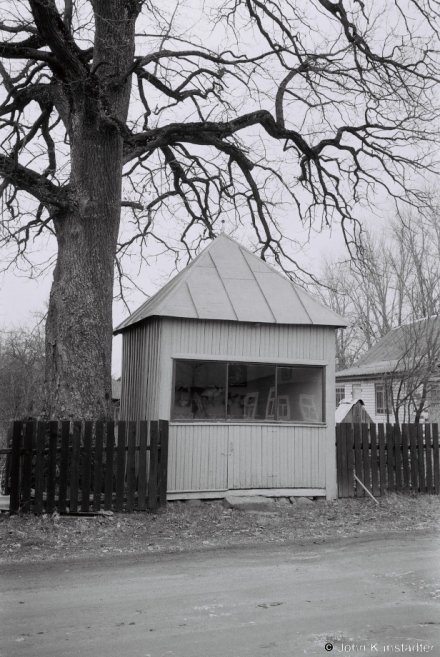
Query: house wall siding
x=140, y=371
x=366, y=390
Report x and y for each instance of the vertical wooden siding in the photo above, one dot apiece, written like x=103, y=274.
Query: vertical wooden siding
x=247, y=340
x=197, y=458
x=220, y=457
x=140, y=371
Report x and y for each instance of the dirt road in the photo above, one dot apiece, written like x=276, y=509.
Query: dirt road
x=369, y=596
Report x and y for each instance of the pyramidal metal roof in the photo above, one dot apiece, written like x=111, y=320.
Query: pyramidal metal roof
x=228, y=282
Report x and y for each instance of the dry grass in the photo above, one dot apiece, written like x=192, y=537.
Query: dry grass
x=184, y=527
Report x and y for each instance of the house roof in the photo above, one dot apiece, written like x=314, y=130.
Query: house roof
x=228, y=282
x=398, y=349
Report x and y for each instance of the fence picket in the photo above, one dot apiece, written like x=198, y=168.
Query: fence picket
x=366, y=455
x=120, y=467
x=436, y=459
x=429, y=488
x=39, y=467
x=421, y=458
x=339, y=458
x=14, y=499
x=163, y=462
x=343, y=477
x=350, y=460
x=398, y=456
x=64, y=466
x=97, y=466
x=131, y=469
x=142, y=473
x=374, y=461
x=27, y=466
x=390, y=457
x=52, y=466
x=382, y=461
x=109, y=466
x=413, y=452
x=405, y=456
x=74, y=467
x=358, y=459
x=86, y=466
x=152, y=479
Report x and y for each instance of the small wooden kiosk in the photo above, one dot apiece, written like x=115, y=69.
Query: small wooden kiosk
x=242, y=363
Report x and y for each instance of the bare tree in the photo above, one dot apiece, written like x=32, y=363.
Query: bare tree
x=21, y=375
x=408, y=384
x=237, y=113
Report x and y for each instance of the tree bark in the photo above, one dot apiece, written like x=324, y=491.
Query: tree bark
x=79, y=322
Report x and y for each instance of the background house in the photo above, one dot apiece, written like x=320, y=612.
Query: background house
x=399, y=376
x=241, y=361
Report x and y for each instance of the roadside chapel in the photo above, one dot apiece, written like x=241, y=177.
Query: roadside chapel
x=242, y=363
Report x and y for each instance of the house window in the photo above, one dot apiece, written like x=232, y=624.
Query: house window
x=435, y=393
x=340, y=394
x=251, y=392
x=383, y=401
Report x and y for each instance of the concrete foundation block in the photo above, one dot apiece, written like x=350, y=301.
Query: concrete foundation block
x=254, y=503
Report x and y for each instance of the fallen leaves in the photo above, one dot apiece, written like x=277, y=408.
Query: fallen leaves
x=185, y=527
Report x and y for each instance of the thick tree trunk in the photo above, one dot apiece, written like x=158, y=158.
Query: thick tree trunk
x=79, y=323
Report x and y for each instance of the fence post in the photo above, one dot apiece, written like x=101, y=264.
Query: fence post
x=14, y=499
x=163, y=462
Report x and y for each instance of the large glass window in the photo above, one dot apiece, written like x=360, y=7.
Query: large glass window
x=252, y=392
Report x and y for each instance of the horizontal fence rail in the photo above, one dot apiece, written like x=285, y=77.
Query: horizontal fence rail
x=83, y=467
x=387, y=457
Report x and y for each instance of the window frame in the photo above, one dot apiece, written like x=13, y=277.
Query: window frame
x=247, y=420
x=341, y=387
x=387, y=408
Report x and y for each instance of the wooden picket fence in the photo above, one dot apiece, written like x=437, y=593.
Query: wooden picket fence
x=387, y=457
x=84, y=467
